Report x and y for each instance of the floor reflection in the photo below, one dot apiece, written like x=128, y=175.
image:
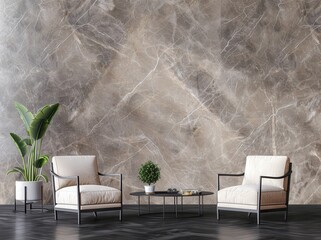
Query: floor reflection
x=304, y=222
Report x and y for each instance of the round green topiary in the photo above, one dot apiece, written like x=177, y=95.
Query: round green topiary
x=149, y=172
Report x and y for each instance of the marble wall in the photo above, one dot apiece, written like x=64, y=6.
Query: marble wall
x=192, y=85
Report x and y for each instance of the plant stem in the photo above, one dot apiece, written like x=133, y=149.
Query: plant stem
x=28, y=163
x=24, y=166
x=39, y=154
x=40, y=145
x=35, y=159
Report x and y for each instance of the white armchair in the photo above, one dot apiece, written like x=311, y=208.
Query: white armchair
x=77, y=188
x=265, y=187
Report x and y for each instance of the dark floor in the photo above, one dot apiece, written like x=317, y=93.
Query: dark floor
x=304, y=223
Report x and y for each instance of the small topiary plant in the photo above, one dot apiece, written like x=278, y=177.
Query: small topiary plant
x=149, y=173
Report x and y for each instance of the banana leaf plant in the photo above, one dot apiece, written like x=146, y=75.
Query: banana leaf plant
x=29, y=148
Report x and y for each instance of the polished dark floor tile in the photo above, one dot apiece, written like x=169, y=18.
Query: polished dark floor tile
x=304, y=223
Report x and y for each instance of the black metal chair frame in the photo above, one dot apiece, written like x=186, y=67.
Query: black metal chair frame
x=259, y=210
x=78, y=210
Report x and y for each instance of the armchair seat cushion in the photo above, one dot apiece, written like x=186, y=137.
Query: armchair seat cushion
x=248, y=195
x=89, y=195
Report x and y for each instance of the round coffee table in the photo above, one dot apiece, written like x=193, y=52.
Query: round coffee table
x=175, y=196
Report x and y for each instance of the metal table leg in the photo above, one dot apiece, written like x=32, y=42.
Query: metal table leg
x=202, y=212
x=163, y=207
x=138, y=205
x=199, y=205
x=176, y=205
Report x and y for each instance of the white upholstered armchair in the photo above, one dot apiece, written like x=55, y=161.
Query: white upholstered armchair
x=265, y=187
x=77, y=188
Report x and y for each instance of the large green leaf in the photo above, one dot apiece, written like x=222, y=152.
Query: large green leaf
x=44, y=177
x=18, y=170
x=27, y=141
x=20, y=144
x=25, y=115
x=42, y=120
x=40, y=162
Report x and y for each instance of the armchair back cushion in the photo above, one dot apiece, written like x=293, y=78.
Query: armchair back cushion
x=83, y=166
x=257, y=166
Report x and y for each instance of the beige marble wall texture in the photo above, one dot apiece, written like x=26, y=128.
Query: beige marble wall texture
x=192, y=85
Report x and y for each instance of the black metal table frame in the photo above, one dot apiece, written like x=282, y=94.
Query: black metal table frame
x=175, y=196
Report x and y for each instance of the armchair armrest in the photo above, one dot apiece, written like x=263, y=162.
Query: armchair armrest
x=113, y=175
x=288, y=174
x=226, y=175
x=120, y=182
x=231, y=174
x=109, y=174
x=280, y=177
x=53, y=174
x=63, y=177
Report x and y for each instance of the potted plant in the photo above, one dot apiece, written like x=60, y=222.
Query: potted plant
x=149, y=173
x=29, y=148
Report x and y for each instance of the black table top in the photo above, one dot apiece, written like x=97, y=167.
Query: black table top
x=170, y=194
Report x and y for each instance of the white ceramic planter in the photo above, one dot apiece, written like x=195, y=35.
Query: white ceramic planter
x=33, y=190
x=149, y=189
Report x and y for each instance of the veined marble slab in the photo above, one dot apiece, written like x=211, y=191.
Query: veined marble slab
x=195, y=86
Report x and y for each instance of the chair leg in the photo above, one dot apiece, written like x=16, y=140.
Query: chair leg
x=258, y=218
x=56, y=215
x=217, y=214
x=79, y=218
x=249, y=215
x=95, y=214
x=121, y=215
x=286, y=215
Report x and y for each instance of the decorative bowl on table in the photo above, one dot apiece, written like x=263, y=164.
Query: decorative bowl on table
x=172, y=190
x=188, y=192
